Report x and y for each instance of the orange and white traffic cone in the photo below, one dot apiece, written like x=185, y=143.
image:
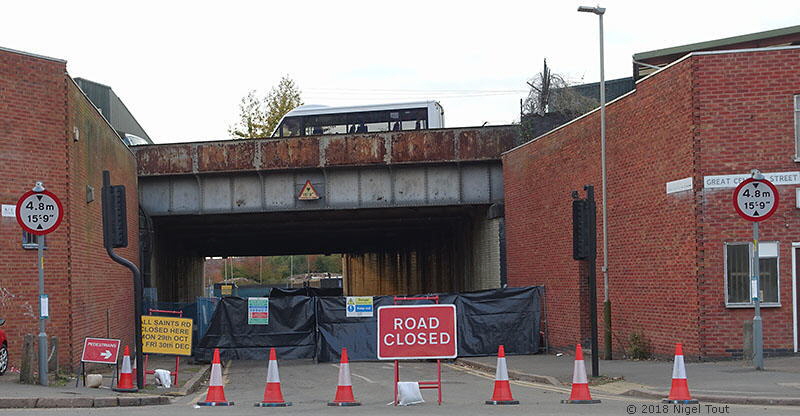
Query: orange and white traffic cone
x=580, y=384
x=125, y=381
x=679, y=393
x=216, y=391
x=272, y=392
x=502, y=389
x=344, y=390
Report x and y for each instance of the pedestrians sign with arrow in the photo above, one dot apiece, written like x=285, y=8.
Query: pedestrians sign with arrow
x=100, y=350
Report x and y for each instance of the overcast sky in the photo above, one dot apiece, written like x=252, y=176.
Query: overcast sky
x=182, y=67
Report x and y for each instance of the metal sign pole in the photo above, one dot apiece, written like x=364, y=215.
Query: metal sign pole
x=758, y=342
x=42, y=334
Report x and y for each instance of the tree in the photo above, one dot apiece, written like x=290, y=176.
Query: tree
x=551, y=102
x=259, y=117
x=281, y=100
x=252, y=119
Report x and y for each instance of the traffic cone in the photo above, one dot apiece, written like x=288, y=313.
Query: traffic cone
x=679, y=393
x=580, y=384
x=216, y=391
x=502, y=389
x=344, y=390
x=272, y=392
x=125, y=381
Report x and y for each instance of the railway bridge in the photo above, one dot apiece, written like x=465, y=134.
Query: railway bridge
x=412, y=211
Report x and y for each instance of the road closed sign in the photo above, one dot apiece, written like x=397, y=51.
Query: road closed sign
x=163, y=335
x=407, y=332
x=100, y=350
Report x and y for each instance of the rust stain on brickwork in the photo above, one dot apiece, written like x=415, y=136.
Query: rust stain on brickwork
x=290, y=153
x=422, y=146
x=215, y=157
x=161, y=159
x=355, y=150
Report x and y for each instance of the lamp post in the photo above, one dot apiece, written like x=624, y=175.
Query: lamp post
x=599, y=11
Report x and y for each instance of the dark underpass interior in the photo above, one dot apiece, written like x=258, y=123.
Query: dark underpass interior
x=386, y=251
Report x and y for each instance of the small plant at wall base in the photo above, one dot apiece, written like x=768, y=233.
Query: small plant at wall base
x=638, y=346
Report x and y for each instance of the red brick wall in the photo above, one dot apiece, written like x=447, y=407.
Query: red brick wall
x=32, y=148
x=653, y=286
x=101, y=291
x=745, y=120
x=39, y=106
x=707, y=115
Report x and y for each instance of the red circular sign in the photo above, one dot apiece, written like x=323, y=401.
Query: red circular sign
x=755, y=202
x=39, y=213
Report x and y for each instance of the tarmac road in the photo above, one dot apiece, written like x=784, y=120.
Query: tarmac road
x=310, y=386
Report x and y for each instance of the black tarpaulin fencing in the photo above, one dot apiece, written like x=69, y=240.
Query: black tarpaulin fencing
x=485, y=319
x=291, y=330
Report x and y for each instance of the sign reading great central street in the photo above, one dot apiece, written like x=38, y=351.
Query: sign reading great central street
x=39, y=213
x=417, y=332
x=100, y=350
x=163, y=335
x=755, y=199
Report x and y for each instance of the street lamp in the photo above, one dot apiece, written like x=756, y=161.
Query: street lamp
x=599, y=11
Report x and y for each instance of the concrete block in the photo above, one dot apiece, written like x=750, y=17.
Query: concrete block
x=54, y=402
x=106, y=402
x=130, y=401
x=17, y=402
x=154, y=400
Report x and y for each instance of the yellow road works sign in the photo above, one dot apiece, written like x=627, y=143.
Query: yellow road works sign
x=163, y=335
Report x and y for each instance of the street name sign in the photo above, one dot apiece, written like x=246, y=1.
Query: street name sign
x=755, y=199
x=100, y=350
x=39, y=213
x=164, y=335
x=409, y=332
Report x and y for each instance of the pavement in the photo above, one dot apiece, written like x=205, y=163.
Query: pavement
x=63, y=393
x=735, y=382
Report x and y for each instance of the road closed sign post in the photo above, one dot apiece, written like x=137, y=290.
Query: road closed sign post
x=417, y=332
x=755, y=200
x=40, y=212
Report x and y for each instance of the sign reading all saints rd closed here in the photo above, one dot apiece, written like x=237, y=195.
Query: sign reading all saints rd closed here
x=164, y=335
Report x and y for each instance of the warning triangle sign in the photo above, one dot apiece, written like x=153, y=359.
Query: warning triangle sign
x=308, y=193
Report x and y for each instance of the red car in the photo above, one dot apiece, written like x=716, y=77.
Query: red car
x=3, y=350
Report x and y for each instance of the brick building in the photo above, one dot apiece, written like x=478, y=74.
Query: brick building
x=678, y=252
x=51, y=132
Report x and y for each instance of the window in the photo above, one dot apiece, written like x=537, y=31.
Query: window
x=31, y=241
x=738, y=259
x=797, y=125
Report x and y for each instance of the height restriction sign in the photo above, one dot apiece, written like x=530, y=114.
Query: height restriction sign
x=39, y=213
x=755, y=199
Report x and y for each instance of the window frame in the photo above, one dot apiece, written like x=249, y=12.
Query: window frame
x=796, y=106
x=750, y=303
x=28, y=237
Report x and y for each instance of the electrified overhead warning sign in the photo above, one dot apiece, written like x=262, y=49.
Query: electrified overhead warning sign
x=308, y=193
